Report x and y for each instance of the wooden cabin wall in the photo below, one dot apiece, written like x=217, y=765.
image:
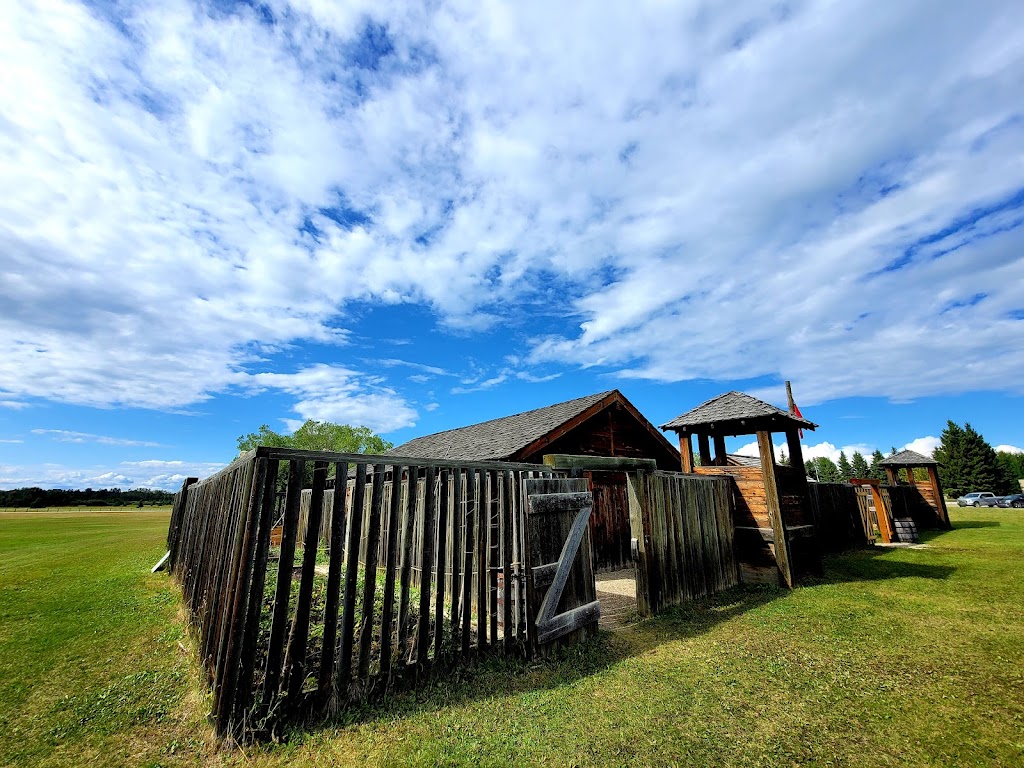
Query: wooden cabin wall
x=612, y=432
x=750, y=510
x=609, y=533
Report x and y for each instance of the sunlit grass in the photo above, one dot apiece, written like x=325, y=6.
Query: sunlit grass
x=897, y=657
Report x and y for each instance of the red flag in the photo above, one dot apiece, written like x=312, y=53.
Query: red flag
x=796, y=412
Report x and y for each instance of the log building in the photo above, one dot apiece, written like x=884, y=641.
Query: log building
x=602, y=424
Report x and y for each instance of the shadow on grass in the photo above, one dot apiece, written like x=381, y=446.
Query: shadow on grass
x=870, y=565
x=499, y=677
x=961, y=524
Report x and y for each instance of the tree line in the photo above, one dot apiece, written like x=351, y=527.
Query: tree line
x=38, y=498
x=824, y=470
x=966, y=463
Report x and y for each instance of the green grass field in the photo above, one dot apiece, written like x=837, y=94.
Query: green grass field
x=899, y=657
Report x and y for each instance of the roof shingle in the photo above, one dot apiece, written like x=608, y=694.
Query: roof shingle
x=498, y=438
x=733, y=406
x=908, y=459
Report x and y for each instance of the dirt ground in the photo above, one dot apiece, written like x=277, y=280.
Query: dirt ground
x=617, y=592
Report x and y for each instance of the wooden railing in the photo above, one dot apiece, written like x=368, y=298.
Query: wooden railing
x=334, y=615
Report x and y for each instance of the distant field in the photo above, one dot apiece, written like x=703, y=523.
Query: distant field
x=899, y=657
x=165, y=508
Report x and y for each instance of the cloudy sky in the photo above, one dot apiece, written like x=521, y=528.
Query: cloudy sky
x=217, y=215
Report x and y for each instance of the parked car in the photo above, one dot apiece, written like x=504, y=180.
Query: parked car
x=1013, y=500
x=976, y=499
x=989, y=502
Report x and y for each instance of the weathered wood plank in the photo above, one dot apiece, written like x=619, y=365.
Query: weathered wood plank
x=348, y=610
x=365, y=458
x=458, y=555
x=279, y=623
x=370, y=572
x=332, y=599
x=390, y=571
x=602, y=463
x=764, y=443
x=242, y=591
x=427, y=564
x=467, y=571
x=505, y=537
x=482, y=562
x=443, y=503
x=408, y=552
x=247, y=657
x=564, y=623
x=295, y=657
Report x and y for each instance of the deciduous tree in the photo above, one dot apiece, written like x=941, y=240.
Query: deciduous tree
x=318, y=436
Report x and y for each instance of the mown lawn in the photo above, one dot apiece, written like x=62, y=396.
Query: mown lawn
x=899, y=657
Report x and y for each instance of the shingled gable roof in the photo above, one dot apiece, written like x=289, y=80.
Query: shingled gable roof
x=908, y=459
x=504, y=438
x=732, y=407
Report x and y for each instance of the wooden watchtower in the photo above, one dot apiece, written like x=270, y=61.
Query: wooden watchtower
x=775, y=535
x=930, y=491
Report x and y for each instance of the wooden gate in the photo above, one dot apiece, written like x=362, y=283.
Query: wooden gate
x=561, y=599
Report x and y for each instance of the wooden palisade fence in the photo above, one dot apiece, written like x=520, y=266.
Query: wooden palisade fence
x=684, y=535
x=318, y=622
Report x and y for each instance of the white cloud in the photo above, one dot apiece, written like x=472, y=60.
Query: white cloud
x=722, y=192
x=431, y=406
x=68, y=436
x=127, y=474
x=823, y=449
x=924, y=445
x=1009, y=449
x=334, y=393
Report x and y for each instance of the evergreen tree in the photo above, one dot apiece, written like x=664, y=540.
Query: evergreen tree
x=876, y=471
x=1012, y=466
x=859, y=465
x=968, y=463
x=823, y=469
x=844, y=468
x=783, y=458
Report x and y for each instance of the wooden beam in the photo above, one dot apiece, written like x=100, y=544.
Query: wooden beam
x=771, y=498
x=705, y=449
x=686, y=453
x=940, y=501
x=796, y=452
x=883, y=515
x=893, y=475
x=598, y=463
x=720, y=454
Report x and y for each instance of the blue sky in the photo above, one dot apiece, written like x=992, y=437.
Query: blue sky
x=415, y=217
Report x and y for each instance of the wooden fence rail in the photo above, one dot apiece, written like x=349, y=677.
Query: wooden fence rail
x=415, y=564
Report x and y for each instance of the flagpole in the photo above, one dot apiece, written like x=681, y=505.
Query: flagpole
x=792, y=406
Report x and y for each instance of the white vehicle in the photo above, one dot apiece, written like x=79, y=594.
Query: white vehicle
x=975, y=499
